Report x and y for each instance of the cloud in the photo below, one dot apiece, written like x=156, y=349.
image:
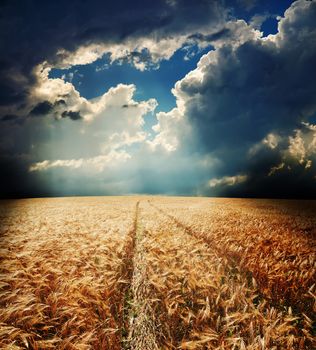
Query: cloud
x=276, y=168
x=170, y=130
x=98, y=163
x=62, y=100
x=228, y=180
x=258, y=19
x=10, y=118
x=246, y=101
x=271, y=140
x=142, y=33
x=297, y=147
x=285, y=170
x=72, y=115
x=244, y=121
x=42, y=108
x=99, y=141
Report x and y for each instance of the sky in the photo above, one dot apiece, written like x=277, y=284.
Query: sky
x=172, y=97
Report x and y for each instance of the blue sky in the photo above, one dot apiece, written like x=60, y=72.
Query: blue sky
x=95, y=79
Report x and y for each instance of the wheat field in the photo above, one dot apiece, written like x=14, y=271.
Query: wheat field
x=146, y=272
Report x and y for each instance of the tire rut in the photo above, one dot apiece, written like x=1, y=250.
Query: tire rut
x=139, y=319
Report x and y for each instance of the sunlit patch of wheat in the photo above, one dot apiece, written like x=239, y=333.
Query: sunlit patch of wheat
x=63, y=272
x=268, y=265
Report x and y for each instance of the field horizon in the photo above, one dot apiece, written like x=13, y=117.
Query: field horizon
x=162, y=195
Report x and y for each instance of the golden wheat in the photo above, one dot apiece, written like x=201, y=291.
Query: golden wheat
x=203, y=300
x=167, y=273
x=63, y=273
x=271, y=242
x=271, y=239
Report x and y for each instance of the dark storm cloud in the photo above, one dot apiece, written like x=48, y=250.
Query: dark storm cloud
x=72, y=115
x=221, y=34
x=42, y=109
x=293, y=180
x=268, y=174
x=267, y=88
x=15, y=180
x=130, y=105
x=139, y=56
x=60, y=103
x=254, y=89
x=34, y=31
x=10, y=118
x=250, y=88
x=290, y=182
